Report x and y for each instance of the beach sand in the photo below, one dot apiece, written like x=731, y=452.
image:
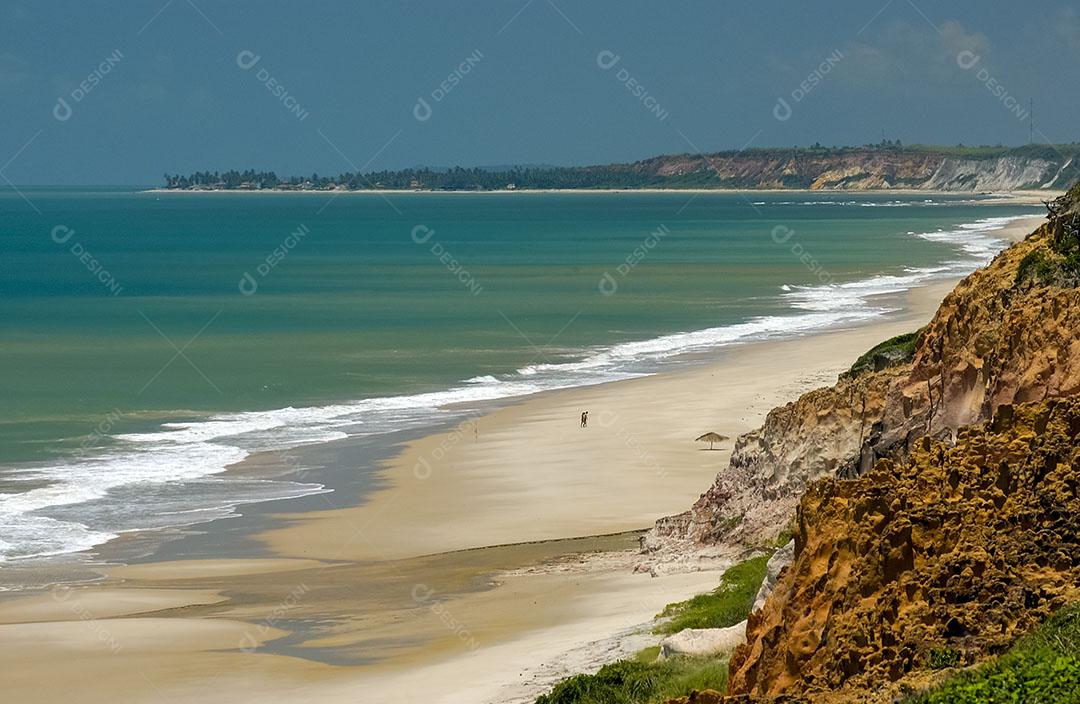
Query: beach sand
x=469, y=577
x=1018, y=197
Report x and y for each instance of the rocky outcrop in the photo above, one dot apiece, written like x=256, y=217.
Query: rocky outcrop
x=818, y=435
x=779, y=560
x=957, y=550
x=703, y=641
x=997, y=339
x=941, y=513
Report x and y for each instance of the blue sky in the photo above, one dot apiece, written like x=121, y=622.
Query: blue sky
x=96, y=92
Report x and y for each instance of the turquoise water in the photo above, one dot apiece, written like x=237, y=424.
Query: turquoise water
x=151, y=339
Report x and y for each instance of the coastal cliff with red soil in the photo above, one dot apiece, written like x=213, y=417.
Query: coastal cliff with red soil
x=1007, y=334
x=959, y=549
x=935, y=499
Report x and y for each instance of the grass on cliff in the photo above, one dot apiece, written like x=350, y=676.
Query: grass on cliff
x=725, y=606
x=631, y=682
x=644, y=680
x=895, y=350
x=1057, y=263
x=1044, y=666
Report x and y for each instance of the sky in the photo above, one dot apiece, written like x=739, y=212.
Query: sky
x=121, y=92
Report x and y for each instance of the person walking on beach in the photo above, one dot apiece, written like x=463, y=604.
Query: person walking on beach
x=585, y=419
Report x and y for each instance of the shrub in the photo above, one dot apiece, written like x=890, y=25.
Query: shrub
x=725, y=606
x=631, y=682
x=895, y=350
x=1042, y=667
x=941, y=658
x=1036, y=267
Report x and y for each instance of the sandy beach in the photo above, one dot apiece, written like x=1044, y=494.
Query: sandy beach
x=495, y=558
x=1018, y=197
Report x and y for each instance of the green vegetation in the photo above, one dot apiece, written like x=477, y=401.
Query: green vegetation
x=942, y=658
x=896, y=350
x=783, y=537
x=630, y=682
x=726, y=525
x=1058, y=263
x=1043, y=666
x=1037, y=267
x=725, y=606
x=697, y=171
x=1074, y=194
x=644, y=680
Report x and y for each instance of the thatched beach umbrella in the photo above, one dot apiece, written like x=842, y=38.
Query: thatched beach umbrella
x=711, y=438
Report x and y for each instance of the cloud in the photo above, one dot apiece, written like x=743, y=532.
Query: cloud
x=1067, y=28
x=901, y=54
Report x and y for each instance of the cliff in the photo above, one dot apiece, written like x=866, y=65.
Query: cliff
x=867, y=168
x=937, y=499
x=947, y=557
x=882, y=166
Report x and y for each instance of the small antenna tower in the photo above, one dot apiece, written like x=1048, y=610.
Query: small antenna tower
x=1031, y=120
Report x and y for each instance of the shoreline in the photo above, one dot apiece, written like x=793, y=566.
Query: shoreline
x=283, y=464
x=335, y=595
x=473, y=637
x=1020, y=197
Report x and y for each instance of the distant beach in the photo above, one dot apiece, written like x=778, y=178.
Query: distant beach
x=1033, y=197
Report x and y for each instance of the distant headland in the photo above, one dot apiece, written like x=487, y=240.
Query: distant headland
x=887, y=165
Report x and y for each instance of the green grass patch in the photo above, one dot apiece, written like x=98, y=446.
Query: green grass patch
x=1043, y=667
x=631, y=682
x=783, y=537
x=941, y=658
x=1036, y=266
x=725, y=606
x=644, y=680
x=895, y=350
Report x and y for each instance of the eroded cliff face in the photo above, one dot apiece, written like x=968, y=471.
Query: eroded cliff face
x=870, y=168
x=818, y=435
x=959, y=549
x=940, y=509
x=1001, y=337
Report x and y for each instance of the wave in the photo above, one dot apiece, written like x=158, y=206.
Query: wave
x=973, y=242
x=173, y=475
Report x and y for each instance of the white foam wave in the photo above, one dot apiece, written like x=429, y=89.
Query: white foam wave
x=185, y=453
x=975, y=246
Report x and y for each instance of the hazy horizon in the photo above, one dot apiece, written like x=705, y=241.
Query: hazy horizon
x=102, y=93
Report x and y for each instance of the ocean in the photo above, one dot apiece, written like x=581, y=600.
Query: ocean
x=150, y=340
